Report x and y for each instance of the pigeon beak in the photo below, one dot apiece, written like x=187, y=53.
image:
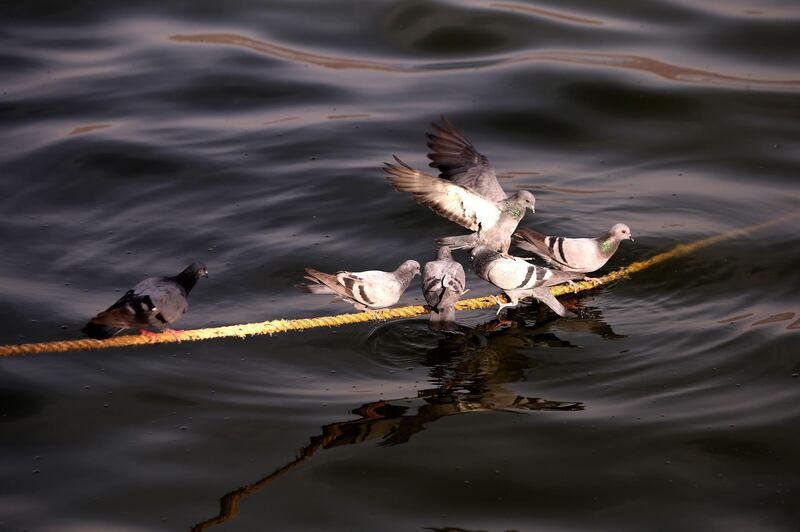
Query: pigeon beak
x=631, y=239
x=532, y=209
x=205, y=274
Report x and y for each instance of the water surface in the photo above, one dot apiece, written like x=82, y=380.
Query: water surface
x=137, y=139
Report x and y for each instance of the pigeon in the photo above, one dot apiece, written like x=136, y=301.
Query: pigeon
x=458, y=161
x=582, y=255
x=154, y=302
x=493, y=222
x=443, y=283
x=371, y=290
x=519, y=279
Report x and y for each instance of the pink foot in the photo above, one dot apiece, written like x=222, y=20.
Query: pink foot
x=175, y=333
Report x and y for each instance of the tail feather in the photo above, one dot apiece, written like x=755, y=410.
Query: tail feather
x=530, y=240
x=100, y=332
x=458, y=242
x=443, y=320
x=544, y=295
x=313, y=288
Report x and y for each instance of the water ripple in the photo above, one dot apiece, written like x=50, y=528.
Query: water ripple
x=662, y=69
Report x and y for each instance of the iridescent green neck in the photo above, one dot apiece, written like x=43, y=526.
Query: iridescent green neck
x=607, y=245
x=514, y=212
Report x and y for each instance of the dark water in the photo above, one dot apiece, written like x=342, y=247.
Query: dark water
x=136, y=139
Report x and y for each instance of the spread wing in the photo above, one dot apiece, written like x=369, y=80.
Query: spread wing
x=445, y=198
x=458, y=161
x=154, y=302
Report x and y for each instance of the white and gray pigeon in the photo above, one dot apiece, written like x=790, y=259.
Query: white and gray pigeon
x=493, y=222
x=520, y=279
x=370, y=290
x=582, y=255
x=443, y=283
x=155, y=302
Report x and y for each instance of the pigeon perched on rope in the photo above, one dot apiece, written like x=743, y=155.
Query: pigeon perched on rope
x=155, y=302
x=520, y=279
x=369, y=290
x=443, y=283
x=582, y=255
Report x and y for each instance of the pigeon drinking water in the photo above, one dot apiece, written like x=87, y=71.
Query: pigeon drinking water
x=370, y=290
x=443, y=284
x=519, y=279
x=154, y=302
x=574, y=254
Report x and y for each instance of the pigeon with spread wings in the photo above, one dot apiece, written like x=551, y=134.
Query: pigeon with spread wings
x=493, y=222
x=155, y=302
x=458, y=161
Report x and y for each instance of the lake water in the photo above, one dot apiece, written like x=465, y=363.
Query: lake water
x=136, y=138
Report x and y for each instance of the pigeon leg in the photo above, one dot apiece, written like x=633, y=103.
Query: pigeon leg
x=175, y=333
x=373, y=313
x=572, y=285
x=543, y=294
x=513, y=302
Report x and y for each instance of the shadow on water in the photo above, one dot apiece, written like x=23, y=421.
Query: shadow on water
x=470, y=369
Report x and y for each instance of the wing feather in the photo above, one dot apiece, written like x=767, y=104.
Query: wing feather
x=458, y=161
x=445, y=198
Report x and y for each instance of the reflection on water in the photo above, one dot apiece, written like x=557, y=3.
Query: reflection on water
x=546, y=13
x=770, y=319
x=88, y=129
x=471, y=370
x=649, y=65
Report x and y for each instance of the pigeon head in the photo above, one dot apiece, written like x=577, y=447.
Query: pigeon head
x=188, y=277
x=480, y=252
x=482, y=257
x=412, y=266
x=196, y=270
x=621, y=232
x=524, y=199
x=444, y=253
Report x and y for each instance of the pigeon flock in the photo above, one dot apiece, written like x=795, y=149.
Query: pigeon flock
x=466, y=192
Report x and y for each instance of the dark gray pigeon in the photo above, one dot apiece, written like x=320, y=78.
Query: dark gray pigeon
x=154, y=302
x=520, y=279
x=574, y=254
x=443, y=284
x=458, y=161
x=493, y=222
x=370, y=290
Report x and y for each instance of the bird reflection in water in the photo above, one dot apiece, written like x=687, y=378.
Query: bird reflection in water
x=470, y=370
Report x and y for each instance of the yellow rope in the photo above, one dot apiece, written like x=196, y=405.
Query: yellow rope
x=280, y=326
